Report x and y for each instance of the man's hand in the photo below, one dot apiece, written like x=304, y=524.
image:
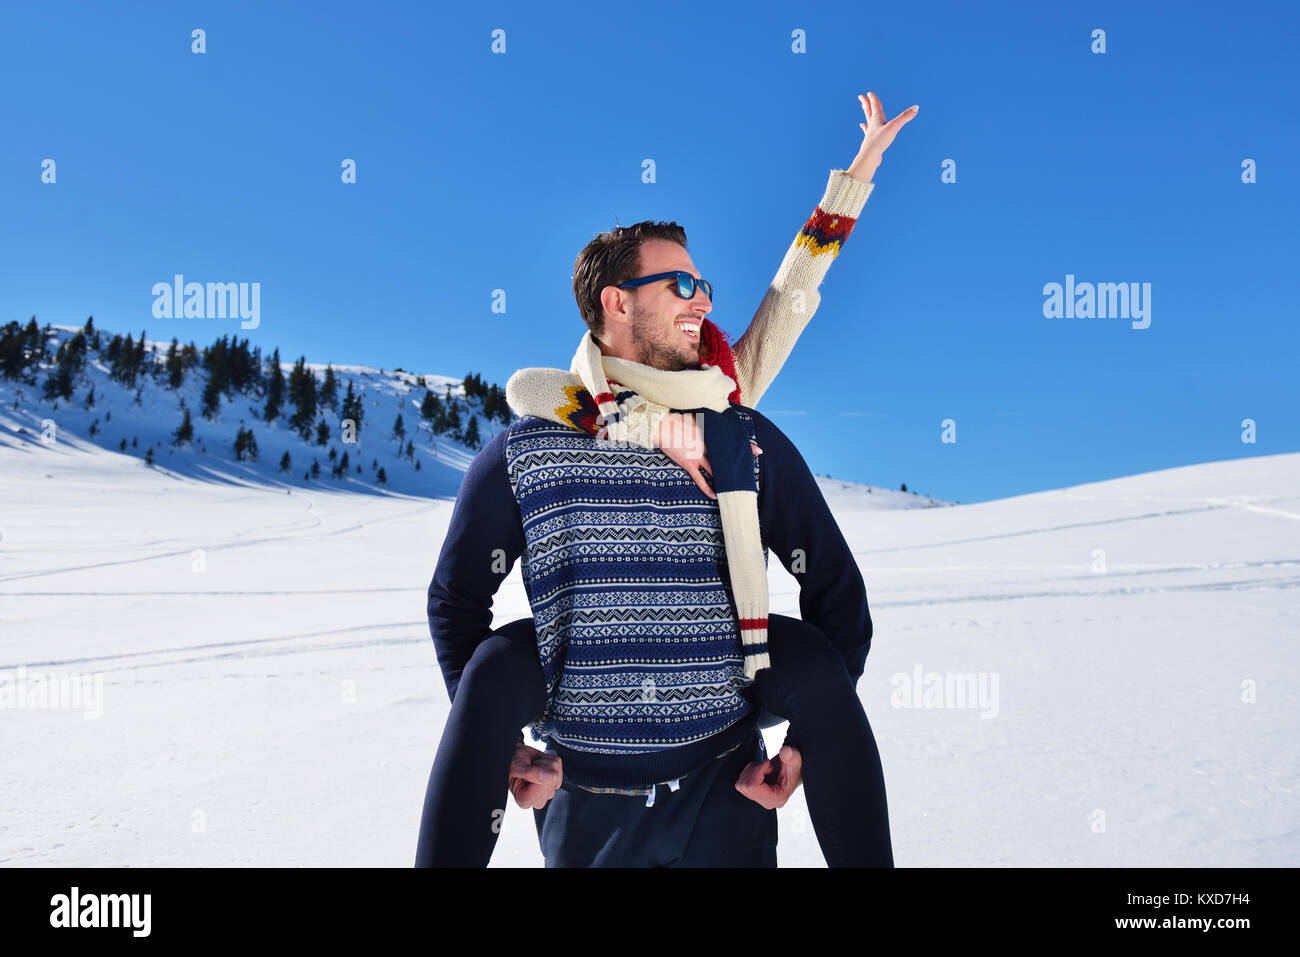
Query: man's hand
x=682, y=440
x=754, y=784
x=876, y=136
x=535, y=776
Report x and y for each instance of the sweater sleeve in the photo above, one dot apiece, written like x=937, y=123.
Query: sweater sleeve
x=484, y=540
x=800, y=530
x=793, y=296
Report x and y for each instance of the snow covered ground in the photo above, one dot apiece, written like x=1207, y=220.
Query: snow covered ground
x=270, y=695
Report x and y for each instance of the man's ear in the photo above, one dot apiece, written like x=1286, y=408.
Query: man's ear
x=616, y=305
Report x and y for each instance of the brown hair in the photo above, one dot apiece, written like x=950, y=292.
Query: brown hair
x=611, y=258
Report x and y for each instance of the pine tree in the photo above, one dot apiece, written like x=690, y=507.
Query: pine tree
x=382, y=477
x=211, y=397
x=352, y=409
x=59, y=383
x=245, y=445
x=429, y=406
x=148, y=456
x=69, y=361
x=315, y=469
x=138, y=359
x=13, y=351
x=302, y=393
x=174, y=366
x=123, y=368
x=399, y=430
x=185, y=431
x=471, y=433
x=33, y=343
x=216, y=361
x=284, y=463
x=329, y=391
x=322, y=433
x=274, y=388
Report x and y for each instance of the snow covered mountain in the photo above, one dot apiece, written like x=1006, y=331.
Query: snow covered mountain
x=141, y=420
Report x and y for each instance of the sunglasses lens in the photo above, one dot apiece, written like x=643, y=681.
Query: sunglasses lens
x=686, y=286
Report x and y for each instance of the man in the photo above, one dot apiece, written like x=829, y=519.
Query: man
x=644, y=676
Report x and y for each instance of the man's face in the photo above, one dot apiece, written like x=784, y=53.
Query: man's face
x=664, y=326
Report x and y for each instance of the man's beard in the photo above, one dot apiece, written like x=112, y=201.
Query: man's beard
x=655, y=349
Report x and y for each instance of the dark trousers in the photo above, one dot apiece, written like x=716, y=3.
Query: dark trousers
x=501, y=690
x=706, y=822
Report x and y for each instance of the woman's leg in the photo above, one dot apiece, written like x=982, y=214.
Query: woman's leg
x=808, y=685
x=500, y=691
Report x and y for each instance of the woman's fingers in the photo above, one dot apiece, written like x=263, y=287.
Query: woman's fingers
x=903, y=118
x=701, y=481
x=877, y=109
x=866, y=106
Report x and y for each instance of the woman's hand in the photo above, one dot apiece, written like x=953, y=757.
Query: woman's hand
x=876, y=136
x=682, y=440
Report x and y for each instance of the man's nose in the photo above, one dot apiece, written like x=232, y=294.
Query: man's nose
x=700, y=302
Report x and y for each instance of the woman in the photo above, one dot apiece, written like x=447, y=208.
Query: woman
x=806, y=682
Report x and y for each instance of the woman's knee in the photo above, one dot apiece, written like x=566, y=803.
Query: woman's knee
x=801, y=653
x=505, y=671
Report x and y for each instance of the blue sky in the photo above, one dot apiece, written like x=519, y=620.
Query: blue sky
x=479, y=171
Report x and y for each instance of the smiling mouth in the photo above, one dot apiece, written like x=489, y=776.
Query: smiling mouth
x=691, y=330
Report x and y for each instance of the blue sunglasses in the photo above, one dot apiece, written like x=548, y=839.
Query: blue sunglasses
x=686, y=283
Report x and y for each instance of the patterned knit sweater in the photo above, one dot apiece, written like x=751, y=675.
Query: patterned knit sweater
x=623, y=565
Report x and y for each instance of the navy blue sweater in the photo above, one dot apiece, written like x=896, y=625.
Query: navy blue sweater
x=794, y=519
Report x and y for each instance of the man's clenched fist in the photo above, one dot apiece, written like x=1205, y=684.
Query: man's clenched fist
x=772, y=794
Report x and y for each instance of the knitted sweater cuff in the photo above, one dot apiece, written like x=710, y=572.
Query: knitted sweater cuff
x=845, y=196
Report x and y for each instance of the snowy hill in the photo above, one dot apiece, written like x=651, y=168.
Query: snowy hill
x=845, y=496
x=151, y=422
